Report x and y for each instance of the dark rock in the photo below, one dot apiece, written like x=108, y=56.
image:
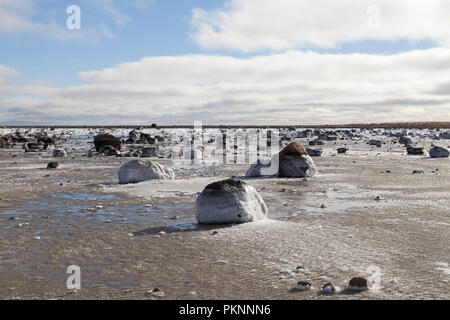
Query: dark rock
x=105, y=140
x=415, y=150
x=303, y=286
x=439, y=152
x=314, y=152
x=329, y=288
x=52, y=165
x=358, y=284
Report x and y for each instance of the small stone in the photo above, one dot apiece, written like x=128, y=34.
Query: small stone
x=156, y=292
x=329, y=288
x=108, y=221
x=214, y=233
x=358, y=284
x=52, y=165
x=303, y=286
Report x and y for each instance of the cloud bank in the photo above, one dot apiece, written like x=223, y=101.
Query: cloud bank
x=255, y=25
x=285, y=88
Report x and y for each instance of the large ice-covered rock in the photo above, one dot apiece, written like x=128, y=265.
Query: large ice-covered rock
x=293, y=162
x=229, y=201
x=439, y=152
x=143, y=170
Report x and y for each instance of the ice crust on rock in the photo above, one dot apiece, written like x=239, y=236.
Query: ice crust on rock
x=229, y=201
x=143, y=170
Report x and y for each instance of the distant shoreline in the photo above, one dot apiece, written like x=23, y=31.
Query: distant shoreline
x=393, y=125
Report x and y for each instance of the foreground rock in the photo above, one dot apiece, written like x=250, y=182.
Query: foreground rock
x=229, y=201
x=439, y=152
x=292, y=162
x=142, y=170
x=105, y=140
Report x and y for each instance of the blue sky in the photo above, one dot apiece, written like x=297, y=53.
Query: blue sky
x=161, y=28
x=180, y=61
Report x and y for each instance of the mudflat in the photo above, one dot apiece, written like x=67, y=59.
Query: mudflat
x=365, y=214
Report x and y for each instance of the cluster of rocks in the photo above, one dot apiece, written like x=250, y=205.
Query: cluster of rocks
x=356, y=284
x=110, y=145
x=136, y=137
x=31, y=142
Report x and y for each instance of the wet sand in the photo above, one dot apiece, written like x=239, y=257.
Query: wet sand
x=401, y=239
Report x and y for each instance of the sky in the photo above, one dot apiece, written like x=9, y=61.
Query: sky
x=224, y=61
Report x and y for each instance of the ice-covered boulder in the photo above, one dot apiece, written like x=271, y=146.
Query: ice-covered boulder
x=229, y=201
x=143, y=170
x=438, y=152
x=292, y=162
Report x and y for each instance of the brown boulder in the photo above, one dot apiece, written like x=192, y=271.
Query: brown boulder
x=105, y=140
x=293, y=149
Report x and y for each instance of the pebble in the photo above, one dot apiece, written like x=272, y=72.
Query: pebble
x=329, y=288
x=156, y=292
x=303, y=286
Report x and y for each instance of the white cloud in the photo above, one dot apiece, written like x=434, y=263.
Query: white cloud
x=291, y=87
x=28, y=17
x=254, y=25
